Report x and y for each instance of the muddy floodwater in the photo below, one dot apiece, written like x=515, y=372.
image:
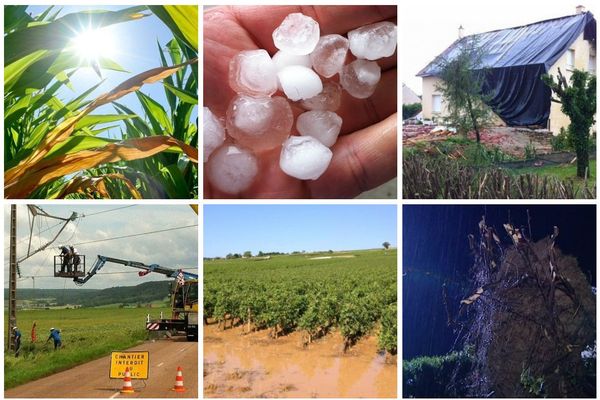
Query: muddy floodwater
x=254, y=365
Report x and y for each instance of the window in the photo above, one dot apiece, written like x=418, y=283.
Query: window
x=437, y=103
x=592, y=64
x=570, y=58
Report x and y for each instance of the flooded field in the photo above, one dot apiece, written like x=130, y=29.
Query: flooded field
x=254, y=365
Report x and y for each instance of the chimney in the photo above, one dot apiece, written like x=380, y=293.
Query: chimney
x=579, y=9
x=461, y=32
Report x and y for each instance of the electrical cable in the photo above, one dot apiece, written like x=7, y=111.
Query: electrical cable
x=105, y=211
x=134, y=234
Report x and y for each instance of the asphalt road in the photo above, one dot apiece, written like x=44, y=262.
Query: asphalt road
x=91, y=379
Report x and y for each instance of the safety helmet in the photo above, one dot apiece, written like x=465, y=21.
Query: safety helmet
x=14, y=328
x=51, y=329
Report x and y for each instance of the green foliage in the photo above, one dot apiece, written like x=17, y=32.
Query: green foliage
x=578, y=100
x=530, y=151
x=84, y=334
x=410, y=110
x=247, y=254
x=290, y=292
x=562, y=141
x=533, y=385
x=462, y=89
x=429, y=376
x=388, y=338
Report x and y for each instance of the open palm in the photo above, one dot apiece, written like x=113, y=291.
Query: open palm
x=365, y=154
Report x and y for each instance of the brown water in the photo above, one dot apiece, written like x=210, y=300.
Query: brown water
x=254, y=365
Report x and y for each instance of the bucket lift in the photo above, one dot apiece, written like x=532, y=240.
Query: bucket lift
x=68, y=269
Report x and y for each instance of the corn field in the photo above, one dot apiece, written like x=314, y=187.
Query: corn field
x=54, y=147
x=438, y=178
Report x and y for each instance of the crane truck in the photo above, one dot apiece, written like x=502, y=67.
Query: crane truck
x=183, y=297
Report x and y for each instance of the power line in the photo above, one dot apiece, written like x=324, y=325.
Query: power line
x=105, y=211
x=81, y=216
x=135, y=234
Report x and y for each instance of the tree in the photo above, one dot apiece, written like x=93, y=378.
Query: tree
x=261, y=254
x=410, y=110
x=579, y=104
x=386, y=245
x=247, y=254
x=462, y=89
x=229, y=256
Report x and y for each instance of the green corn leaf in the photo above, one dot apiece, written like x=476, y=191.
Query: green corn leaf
x=183, y=95
x=16, y=17
x=78, y=143
x=181, y=20
x=174, y=182
x=91, y=120
x=160, y=121
x=14, y=70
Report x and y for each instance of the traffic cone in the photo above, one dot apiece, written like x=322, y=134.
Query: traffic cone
x=179, y=381
x=127, y=387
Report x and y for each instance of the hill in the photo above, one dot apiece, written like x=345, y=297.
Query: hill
x=144, y=293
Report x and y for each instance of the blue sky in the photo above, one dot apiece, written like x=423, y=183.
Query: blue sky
x=286, y=228
x=173, y=249
x=136, y=50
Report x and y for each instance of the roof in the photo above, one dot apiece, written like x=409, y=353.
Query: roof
x=409, y=96
x=538, y=43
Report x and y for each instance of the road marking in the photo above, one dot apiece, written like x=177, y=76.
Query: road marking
x=160, y=364
x=114, y=395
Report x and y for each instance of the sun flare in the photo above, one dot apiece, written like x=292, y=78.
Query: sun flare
x=93, y=44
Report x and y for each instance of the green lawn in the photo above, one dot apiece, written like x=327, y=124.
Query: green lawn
x=87, y=334
x=562, y=171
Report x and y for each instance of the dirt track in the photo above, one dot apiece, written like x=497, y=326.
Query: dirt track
x=91, y=379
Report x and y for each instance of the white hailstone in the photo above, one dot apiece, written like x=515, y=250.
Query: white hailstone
x=373, y=41
x=322, y=125
x=329, y=55
x=252, y=72
x=304, y=157
x=259, y=123
x=329, y=99
x=231, y=169
x=214, y=133
x=283, y=59
x=360, y=78
x=297, y=34
x=298, y=82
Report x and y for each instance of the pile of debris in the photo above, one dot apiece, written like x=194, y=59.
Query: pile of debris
x=412, y=134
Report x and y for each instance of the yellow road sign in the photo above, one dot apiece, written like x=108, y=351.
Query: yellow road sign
x=138, y=363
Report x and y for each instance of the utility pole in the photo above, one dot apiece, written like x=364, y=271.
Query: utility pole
x=12, y=278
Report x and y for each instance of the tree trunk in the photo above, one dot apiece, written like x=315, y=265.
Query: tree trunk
x=473, y=119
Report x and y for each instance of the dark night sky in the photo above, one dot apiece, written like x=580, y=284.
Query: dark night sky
x=435, y=249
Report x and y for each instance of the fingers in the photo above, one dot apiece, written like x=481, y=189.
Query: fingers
x=361, y=161
x=223, y=38
x=261, y=21
x=360, y=113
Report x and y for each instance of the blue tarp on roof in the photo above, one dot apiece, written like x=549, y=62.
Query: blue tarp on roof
x=514, y=60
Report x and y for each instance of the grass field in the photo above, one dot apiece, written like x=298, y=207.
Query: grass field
x=87, y=334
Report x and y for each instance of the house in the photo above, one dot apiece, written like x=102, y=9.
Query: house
x=409, y=96
x=513, y=61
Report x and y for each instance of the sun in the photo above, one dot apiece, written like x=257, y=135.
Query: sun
x=93, y=44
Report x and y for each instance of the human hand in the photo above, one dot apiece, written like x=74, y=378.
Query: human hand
x=364, y=155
